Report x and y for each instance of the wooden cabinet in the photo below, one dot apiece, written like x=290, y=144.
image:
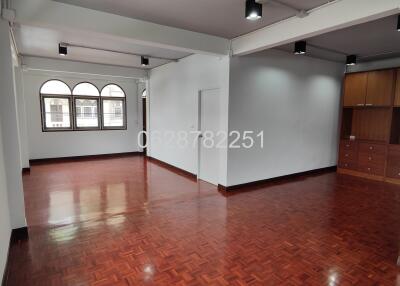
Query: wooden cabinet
x=370, y=126
x=372, y=158
x=355, y=89
x=397, y=93
x=348, y=154
x=393, y=162
x=373, y=88
x=380, y=86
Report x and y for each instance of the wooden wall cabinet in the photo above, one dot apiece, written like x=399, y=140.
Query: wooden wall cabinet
x=370, y=133
x=380, y=86
x=355, y=89
x=373, y=88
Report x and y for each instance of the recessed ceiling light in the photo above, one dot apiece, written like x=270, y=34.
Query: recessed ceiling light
x=300, y=47
x=144, y=61
x=398, y=23
x=351, y=60
x=62, y=49
x=253, y=10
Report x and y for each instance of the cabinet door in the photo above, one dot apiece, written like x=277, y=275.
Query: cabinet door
x=355, y=89
x=397, y=96
x=380, y=88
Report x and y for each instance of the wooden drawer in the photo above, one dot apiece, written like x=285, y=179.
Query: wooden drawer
x=393, y=171
x=377, y=149
x=372, y=169
x=393, y=164
x=348, y=156
x=348, y=145
x=374, y=159
x=348, y=165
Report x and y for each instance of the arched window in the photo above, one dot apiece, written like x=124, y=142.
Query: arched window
x=113, y=102
x=112, y=90
x=86, y=103
x=144, y=93
x=85, y=89
x=55, y=103
x=91, y=109
x=55, y=87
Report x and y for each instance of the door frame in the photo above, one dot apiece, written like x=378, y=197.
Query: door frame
x=198, y=147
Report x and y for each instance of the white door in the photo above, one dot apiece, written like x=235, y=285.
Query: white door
x=209, y=125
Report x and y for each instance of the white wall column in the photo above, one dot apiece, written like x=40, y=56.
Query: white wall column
x=9, y=122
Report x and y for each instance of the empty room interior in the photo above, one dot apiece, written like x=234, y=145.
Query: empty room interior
x=199, y=142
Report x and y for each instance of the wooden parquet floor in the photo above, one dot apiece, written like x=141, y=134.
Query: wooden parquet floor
x=129, y=221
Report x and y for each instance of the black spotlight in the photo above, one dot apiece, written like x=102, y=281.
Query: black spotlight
x=351, y=60
x=398, y=23
x=62, y=49
x=144, y=61
x=300, y=47
x=253, y=10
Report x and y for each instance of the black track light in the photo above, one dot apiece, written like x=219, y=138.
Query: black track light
x=398, y=23
x=144, y=61
x=351, y=60
x=253, y=10
x=300, y=47
x=62, y=49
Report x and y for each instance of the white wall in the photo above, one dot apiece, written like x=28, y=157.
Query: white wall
x=10, y=128
x=22, y=121
x=375, y=65
x=295, y=101
x=173, y=94
x=5, y=228
x=78, y=143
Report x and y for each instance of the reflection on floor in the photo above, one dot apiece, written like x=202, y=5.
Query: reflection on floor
x=129, y=221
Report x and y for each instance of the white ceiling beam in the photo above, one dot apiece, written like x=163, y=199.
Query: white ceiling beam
x=51, y=14
x=330, y=17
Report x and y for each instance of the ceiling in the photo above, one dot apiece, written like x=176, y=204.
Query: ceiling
x=43, y=42
x=223, y=18
x=374, y=40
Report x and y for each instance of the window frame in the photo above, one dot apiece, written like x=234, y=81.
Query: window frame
x=116, y=98
x=75, y=114
x=43, y=113
x=90, y=97
x=42, y=98
x=72, y=108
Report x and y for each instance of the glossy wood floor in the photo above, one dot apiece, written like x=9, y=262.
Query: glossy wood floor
x=127, y=221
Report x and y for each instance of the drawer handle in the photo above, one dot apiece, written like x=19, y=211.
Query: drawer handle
x=371, y=148
x=347, y=145
x=360, y=104
x=347, y=165
x=346, y=155
x=370, y=158
x=369, y=169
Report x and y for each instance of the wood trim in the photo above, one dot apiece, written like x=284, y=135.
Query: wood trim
x=360, y=174
x=26, y=170
x=392, y=181
x=81, y=158
x=280, y=178
x=173, y=168
x=17, y=235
